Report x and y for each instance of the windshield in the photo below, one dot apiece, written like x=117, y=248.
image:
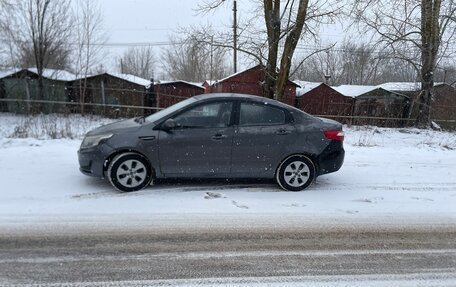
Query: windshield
x=162, y=113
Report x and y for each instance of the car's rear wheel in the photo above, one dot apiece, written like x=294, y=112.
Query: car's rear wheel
x=295, y=173
x=129, y=172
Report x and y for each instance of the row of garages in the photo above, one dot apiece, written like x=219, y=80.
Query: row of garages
x=110, y=94
x=389, y=104
x=123, y=95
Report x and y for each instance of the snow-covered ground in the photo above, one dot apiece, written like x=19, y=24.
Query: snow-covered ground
x=389, y=175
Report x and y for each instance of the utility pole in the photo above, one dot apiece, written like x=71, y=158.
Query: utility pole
x=327, y=75
x=212, y=58
x=235, y=36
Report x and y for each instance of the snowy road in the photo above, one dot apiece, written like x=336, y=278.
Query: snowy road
x=221, y=257
x=387, y=218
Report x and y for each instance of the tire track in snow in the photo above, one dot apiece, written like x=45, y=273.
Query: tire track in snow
x=215, y=255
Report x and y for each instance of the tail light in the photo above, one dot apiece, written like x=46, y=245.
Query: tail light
x=335, y=135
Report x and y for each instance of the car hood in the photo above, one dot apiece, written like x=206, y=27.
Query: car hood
x=116, y=127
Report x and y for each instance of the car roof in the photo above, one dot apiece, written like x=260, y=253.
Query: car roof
x=239, y=96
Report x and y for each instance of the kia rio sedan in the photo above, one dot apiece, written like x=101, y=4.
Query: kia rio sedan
x=215, y=136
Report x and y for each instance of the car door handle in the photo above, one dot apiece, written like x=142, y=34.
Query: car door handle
x=283, y=132
x=219, y=137
x=147, y=138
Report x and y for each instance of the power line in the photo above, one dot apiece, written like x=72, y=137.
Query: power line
x=134, y=44
x=301, y=47
x=150, y=29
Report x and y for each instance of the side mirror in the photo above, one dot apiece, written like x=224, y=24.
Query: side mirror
x=168, y=125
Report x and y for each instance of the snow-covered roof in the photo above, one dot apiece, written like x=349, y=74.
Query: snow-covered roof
x=179, y=81
x=209, y=82
x=132, y=79
x=195, y=84
x=234, y=75
x=6, y=73
x=243, y=71
x=53, y=74
x=401, y=86
x=354, y=90
x=127, y=77
x=305, y=86
x=405, y=86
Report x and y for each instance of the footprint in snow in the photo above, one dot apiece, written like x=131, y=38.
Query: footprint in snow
x=369, y=200
x=349, y=211
x=213, y=195
x=239, y=205
x=294, y=205
x=422, y=198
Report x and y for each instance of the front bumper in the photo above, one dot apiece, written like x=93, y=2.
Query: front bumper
x=332, y=158
x=91, y=161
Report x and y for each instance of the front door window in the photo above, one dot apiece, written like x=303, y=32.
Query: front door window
x=211, y=115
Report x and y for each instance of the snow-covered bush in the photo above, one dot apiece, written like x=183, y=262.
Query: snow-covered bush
x=53, y=126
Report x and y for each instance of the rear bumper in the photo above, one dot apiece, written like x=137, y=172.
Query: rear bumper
x=332, y=158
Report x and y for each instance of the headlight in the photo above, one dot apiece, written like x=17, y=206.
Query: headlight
x=91, y=141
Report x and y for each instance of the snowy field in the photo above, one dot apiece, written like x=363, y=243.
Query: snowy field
x=404, y=176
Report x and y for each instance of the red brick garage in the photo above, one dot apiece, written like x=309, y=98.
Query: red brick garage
x=323, y=100
x=250, y=82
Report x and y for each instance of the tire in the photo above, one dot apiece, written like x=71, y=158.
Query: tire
x=295, y=173
x=129, y=172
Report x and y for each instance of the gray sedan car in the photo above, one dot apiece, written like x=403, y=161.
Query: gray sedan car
x=215, y=136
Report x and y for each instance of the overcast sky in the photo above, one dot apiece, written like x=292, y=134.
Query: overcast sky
x=153, y=21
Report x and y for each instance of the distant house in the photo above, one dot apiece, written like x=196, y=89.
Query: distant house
x=104, y=93
x=250, y=82
x=380, y=107
x=18, y=86
x=168, y=93
x=208, y=86
x=443, y=107
x=322, y=100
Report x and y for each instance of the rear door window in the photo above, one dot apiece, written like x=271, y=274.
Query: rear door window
x=253, y=114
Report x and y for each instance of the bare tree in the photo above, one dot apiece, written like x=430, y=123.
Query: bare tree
x=4, y=6
x=196, y=57
x=3, y=55
x=89, y=36
x=138, y=61
x=275, y=84
x=39, y=27
x=285, y=23
x=446, y=74
x=26, y=57
x=425, y=28
x=391, y=69
x=350, y=63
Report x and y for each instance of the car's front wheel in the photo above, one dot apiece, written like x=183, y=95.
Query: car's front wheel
x=129, y=172
x=295, y=173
